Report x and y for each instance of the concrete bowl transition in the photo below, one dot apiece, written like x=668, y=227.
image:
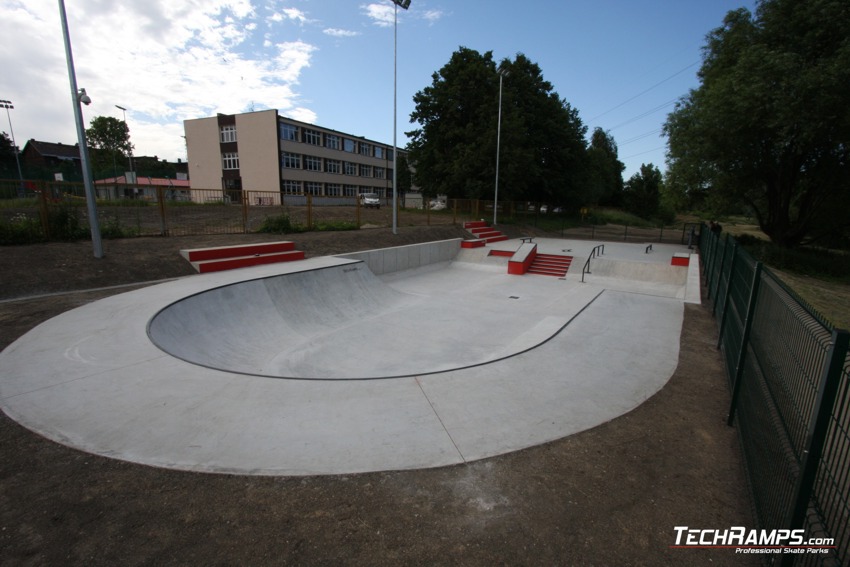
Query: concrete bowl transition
x=408, y=357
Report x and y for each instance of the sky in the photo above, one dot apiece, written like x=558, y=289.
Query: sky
x=621, y=63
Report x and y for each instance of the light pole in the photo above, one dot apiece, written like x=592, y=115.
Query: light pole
x=405, y=4
x=502, y=74
x=79, y=96
x=7, y=104
x=129, y=151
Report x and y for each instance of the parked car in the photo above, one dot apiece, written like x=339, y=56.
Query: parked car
x=370, y=200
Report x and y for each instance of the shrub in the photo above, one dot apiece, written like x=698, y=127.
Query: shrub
x=279, y=224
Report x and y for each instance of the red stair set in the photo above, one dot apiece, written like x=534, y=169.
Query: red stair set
x=482, y=231
x=206, y=260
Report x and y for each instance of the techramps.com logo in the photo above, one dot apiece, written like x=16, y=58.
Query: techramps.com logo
x=746, y=540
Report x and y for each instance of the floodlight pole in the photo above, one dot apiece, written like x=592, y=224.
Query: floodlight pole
x=502, y=74
x=79, y=96
x=7, y=104
x=404, y=4
x=129, y=152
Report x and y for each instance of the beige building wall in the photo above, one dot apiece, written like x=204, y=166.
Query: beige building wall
x=259, y=159
x=203, y=152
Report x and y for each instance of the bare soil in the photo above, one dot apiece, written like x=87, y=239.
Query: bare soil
x=608, y=496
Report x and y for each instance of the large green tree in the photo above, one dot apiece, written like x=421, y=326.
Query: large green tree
x=769, y=126
x=542, y=149
x=642, y=193
x=605, y=170
x=110, y=140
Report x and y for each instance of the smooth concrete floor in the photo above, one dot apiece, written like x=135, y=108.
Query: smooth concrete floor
x=484, y=362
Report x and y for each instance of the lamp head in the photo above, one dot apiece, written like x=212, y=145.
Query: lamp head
x=83, y=97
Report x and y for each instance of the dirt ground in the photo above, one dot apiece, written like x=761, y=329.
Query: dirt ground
x=608, y=496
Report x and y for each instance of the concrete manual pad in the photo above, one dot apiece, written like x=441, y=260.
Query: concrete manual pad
x=489, y=363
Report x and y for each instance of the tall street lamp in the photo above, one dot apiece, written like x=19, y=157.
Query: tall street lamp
x=502, y=74
x=405, y=4
x=79, y=96
x=129, y=152
x=7, y=104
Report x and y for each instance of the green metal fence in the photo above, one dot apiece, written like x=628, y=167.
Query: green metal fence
x=789, y=374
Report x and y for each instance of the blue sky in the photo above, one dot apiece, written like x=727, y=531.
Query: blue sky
x=621, y=64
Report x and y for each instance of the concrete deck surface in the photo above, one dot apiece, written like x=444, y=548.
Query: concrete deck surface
x=321, y=367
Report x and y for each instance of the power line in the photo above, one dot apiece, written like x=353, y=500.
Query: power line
x=646, y=152
x=645, y=114
x=640, y=137
x=676, y=74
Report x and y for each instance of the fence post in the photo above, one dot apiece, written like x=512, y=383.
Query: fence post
x=160, y=200
x=309, y=211
x=819, y=427
x=713, y=289
x=745, y=340
x=728, y=293
x=246, y=197
x=43, y=212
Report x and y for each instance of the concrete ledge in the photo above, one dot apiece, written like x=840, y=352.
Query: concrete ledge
x=399, y=258
x=522, y=259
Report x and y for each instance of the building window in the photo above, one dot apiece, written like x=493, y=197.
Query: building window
x=333, y=190
x=292, y=187
x=379, y=152
x=365, y=170
x=365, y=149
x=350, y=168
x=380, y=191
x=379, y=173
x=312, y=137
x=332, y=141
x=288, y=132
x=348, y=145
x=350, y=190
x=313, y=188
x=312, y=163
x=230, y=160
x=389, y=154
x=227, y=134
x=291, y=161
x=333, y=166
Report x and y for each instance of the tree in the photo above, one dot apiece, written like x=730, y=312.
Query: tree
x=605, y=170
x=642, y=193
x=110, y=138
x=8, y=168
x=769, y=126
x=542, y=148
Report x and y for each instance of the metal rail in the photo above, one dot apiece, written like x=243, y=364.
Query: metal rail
x=597, y=251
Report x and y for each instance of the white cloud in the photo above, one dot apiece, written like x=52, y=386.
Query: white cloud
x=295, y=15
x=164, y=61
x=431, y=15
x=334, y=32
x=382, y=15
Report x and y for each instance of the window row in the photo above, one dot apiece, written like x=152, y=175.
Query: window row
x=289, y=160
x=292, y=133
x=291, y=187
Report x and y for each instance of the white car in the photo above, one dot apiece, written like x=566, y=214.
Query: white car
x=370, y=200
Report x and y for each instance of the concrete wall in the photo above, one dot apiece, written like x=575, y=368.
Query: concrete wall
x=259, y=159
x=204, y=153
x=388, y=260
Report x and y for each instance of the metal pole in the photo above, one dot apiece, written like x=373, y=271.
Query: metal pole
x=129, y=152
x=395, y=111
x=7, y=104
x=498, y=144
x=76, y=96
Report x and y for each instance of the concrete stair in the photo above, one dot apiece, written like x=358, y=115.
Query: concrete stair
x=550, y=265
x=220, y=258
x=482, y=231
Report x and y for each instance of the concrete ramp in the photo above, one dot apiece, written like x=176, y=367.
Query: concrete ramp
x=343, y=322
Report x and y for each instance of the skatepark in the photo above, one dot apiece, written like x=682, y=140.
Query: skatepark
x=402, y=358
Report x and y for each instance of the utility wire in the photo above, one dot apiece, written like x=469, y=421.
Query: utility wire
x=676, y=74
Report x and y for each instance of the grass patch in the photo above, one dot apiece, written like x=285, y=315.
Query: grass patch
x=282, y=224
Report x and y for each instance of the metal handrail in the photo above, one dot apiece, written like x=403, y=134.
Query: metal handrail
x=598, y=250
